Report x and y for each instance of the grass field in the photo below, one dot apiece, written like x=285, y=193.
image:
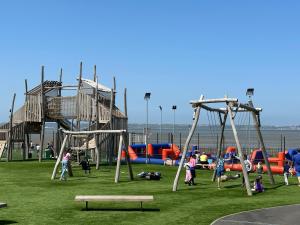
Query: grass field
x=34, y=199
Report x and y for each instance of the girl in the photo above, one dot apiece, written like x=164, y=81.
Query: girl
x=64, y=164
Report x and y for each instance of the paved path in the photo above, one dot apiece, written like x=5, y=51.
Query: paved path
x=282, y=215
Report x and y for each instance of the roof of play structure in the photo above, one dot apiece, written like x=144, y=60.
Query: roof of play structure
x=93, y=84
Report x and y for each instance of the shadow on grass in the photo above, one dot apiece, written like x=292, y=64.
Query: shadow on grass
x=2, y=222
x=274, y=187
x=123, y=209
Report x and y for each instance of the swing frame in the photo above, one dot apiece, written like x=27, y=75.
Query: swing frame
x=122, y=140
x=233, y=106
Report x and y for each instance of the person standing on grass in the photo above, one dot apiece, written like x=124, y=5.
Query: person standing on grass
x=188, y=175
x=192, y=164
x=64, y=163
x=296, y=161
x=220, y=171
x=286, y=172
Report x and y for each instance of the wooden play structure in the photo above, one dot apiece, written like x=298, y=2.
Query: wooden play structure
x=232, y=107
x=91, y=108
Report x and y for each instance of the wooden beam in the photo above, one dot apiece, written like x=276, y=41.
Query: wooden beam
x=125, y=102
x=98, y=159
x=93, y=132
x=213, y=109
x=10, y=133
x=262, y=144
x=26, y=135
x=43, y=116
x=186, y=145
x=125, y=139
x=117, y=175
x=77, y=98
x=216, y=100
x=240, y=152
x=247, y=107
x=59, y=158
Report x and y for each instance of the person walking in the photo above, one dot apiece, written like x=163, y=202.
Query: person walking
x=64, y=163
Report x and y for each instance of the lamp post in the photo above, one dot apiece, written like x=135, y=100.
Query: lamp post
x=160, y=107
x=147, y=98
x=174, y=107
x=249, y=93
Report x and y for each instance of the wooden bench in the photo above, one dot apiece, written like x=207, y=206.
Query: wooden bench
x=114, y=198
x=2, y=205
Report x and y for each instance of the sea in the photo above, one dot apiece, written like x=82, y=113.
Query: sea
x=208, y=137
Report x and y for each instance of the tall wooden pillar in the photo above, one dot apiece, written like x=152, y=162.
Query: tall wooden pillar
x=240, y=152
x=186, y=146
x=42, y=137
x=262, y=144
x=10, y=132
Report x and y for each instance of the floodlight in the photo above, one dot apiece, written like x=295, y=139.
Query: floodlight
x=250, y=92
x=147, y=95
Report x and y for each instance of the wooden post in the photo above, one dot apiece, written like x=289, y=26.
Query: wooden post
x=186, y=145
x=77, y=100
x=223, y=125
x=117, y=176
x=26, y=135
x=125, y=139
x=42, y=117
x=58, y=121
x=262, y=144
x=98, y=159
x=125, y=102
x=110, y=155
x=10, y=133
x=241, y=156
x=59, y=158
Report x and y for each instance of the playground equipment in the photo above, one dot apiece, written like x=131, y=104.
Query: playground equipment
x=276, y=163
x=92, y=108
x=233, y=106
x=122, y=140
x=157, y=153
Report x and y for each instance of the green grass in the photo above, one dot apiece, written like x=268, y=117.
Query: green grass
x=34, y=199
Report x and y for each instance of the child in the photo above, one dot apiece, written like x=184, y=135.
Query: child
x=286, y=172
x=64, y=164
x=220, y=171
x=192, y=164
x=258, y=186
x=188, y=175
x=259, y=168
x=85, y=165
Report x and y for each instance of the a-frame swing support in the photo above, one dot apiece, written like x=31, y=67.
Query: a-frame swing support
x=122, y=140
x=232, y=104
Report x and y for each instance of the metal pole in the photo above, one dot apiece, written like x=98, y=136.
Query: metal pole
x=160, y=125
x=147, y=131
x=174, y=124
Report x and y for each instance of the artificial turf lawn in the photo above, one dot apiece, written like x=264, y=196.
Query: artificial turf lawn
x=34, y=199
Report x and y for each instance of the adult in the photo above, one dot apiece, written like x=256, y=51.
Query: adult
x=296, y=162
x=203, y=159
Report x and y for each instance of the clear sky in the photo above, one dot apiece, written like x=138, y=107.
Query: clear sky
x=177, y=50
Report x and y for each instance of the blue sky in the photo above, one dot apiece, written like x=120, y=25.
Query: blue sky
x=177, y=50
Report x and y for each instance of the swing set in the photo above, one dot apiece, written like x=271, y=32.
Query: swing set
x=232, y=108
